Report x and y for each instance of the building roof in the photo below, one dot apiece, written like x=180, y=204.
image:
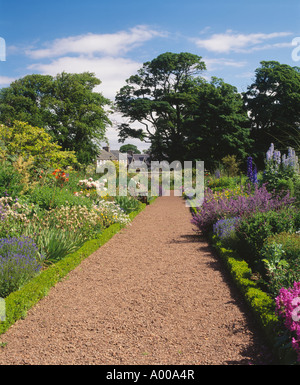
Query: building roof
x=138, y=158
x=107, y=155
x=116, y=153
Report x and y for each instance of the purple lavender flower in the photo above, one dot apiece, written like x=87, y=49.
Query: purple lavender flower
x=19, y=262
x=214, y=209
x=224, y=228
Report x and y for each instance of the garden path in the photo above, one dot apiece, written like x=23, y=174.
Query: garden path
x=154, y=294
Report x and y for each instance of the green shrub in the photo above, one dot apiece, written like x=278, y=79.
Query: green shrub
x=281, y=253
x=10, y=180
x=286, y=185
x=56, y=244
x=231, y=165
x=261, y=304
x=50, y=197
x=128, y=204
x=254, y=229
x=297, y=190
x=219, y=184
x=290, y=244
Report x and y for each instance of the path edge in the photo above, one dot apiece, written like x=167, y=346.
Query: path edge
x=19, y=302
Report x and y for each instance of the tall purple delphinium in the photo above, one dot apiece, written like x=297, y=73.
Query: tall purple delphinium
x=274, y=158
x=251, y=173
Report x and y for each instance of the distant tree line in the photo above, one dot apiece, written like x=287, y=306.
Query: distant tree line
x=181, y=115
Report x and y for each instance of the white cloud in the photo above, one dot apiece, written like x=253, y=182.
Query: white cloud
x=111, y=71
x=102, y=54
x=212, y=64
x=5, y=80
x=238, y=42
x=112, y=133
x=114, y=44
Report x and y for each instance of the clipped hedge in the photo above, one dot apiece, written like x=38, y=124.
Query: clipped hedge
x=262, y=305
x=18, y=303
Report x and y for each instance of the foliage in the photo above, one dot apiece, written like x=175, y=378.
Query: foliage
x=261, y=304
x=272, y=101
x=19, y=262
x=231, y=165
x=225, y=230
x=24, y=168
x=129, y=147
x=128, y=204
x=65, y=105
x=216, y=124
x=290, y=244
x=47, y=197
x=35, y=144
x=254, y=229
x=156, y=97
x=56, y=243
x=215, y=208
x=10, y=180
x=280, y=170
x=224, y=182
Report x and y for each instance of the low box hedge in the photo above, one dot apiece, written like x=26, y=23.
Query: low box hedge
x=18, y=303
x=261, y=304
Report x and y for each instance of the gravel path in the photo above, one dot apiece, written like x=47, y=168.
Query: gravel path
x=153, y=295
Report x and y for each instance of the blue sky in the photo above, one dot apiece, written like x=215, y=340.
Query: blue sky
x=114, y=38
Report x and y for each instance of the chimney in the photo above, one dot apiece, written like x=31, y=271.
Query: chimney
x=106, y=148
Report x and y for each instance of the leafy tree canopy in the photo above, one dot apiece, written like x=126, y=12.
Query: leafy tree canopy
x=65, y=106
x=217, y=125
x=273, y=103
x=184, y=117
x=130, y=147
x=35, y=144
x=156, y=97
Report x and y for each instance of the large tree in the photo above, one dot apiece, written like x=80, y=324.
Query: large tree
x=65, y=105
x=129, y=147
x=273, y=102
x=157, y=97
x=218, y=124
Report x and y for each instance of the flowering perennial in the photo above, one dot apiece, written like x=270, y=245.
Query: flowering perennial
x=274, y=158
x=214, y=209
x=251, y=173
x=90, y=184
x=19, y=262
x=288, y=307
x=224, y=228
